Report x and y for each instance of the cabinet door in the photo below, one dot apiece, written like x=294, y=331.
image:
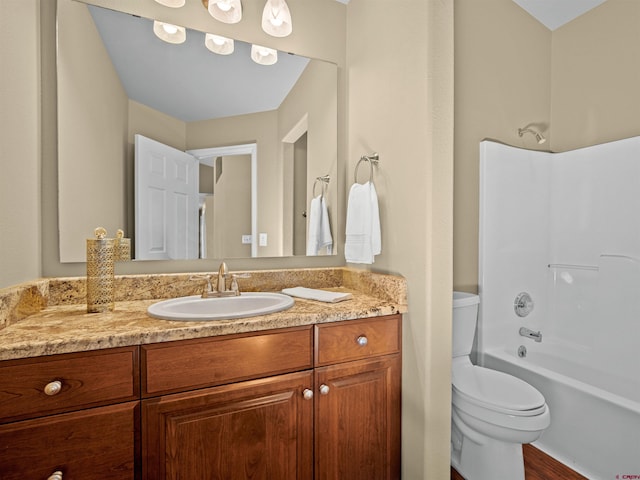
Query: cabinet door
x=258, y=429
x=91, y=444
x=358, y=420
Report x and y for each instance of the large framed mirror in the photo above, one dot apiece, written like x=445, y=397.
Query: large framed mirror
x=117, y=80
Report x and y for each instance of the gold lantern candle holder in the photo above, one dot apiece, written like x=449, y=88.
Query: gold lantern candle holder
x=100, y=272
x=102, y=253
x=122, y=247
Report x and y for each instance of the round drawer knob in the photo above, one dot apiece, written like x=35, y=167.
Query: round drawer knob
x=307, y=393
x=55, y=476
x=362, y=340
x=324, y=389
x=53, y=388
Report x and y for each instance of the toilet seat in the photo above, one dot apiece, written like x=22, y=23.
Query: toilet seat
x=496, y=391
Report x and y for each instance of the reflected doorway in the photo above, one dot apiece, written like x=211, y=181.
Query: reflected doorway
x=300, y=196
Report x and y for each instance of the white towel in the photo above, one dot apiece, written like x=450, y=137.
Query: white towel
x=364, y=239
x=319, y=235
x=314, y=294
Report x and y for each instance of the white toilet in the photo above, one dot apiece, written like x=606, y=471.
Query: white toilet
x=492, y=413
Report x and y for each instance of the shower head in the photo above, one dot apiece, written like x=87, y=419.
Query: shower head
x=539, y=138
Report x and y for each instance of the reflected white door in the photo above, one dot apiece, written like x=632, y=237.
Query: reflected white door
x=167, y=200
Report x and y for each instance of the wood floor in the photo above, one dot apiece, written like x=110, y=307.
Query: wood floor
x=539, y=466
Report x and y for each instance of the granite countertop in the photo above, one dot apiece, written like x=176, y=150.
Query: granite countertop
x=44, y=317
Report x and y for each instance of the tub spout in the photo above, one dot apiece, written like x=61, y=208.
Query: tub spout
x=525, y=332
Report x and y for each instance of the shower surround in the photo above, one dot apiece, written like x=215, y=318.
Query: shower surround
x=565, y=228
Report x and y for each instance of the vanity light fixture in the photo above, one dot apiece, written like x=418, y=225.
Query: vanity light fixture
x=169, y=33
x=218, y=44
x=171, y=3
x=226, y=11
x=539, y=137
x=263, y=55
x=276, y=18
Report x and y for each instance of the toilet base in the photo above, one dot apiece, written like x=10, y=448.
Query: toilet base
x=484, y=458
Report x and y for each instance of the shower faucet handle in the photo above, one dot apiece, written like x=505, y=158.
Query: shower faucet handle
x=523, y=304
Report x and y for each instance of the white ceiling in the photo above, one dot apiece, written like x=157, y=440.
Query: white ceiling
x=187, y=81
x=555, y=13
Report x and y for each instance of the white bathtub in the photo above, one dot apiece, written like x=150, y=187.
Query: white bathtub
x=595, y=415
x=557, y=226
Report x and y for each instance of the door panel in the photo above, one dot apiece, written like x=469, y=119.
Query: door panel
x=167, y=202
x=358, y=420
x=260, y=429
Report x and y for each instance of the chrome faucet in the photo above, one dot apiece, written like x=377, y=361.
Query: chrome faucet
x=525, y=332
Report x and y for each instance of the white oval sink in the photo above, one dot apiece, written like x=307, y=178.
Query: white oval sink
x=196, y=308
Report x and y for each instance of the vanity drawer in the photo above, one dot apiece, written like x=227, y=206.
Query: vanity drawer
x=91, y=444
x=60, y=383
x=356, y=339
x=184, y=365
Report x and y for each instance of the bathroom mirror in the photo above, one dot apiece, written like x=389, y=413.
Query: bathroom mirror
x=116, y=80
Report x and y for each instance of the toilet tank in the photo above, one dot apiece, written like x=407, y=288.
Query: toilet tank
x=465, y=316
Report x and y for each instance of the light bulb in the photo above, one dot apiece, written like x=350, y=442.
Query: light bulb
x=218, y=44
x=276, y=18
x=169, y=33
x=263, y=55
x=227, y=11
x=170, y=29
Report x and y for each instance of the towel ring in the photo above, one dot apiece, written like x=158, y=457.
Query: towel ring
x=324, y=181
x=372, y=159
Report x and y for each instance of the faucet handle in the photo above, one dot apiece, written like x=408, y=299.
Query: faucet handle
x=240, y=275
x=234, y=281
x=206, y=277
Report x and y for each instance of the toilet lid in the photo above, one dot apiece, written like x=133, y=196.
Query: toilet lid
x=497, y=391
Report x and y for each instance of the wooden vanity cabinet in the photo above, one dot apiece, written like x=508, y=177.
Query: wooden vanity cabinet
x=357, y=409
x=76, y=414
x=311, y=402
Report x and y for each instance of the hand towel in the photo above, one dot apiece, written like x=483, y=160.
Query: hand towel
x=319, y=234
x=315, y=294
x=364, y=239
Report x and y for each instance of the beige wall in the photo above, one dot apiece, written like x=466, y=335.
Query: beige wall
x=260, y=128
x=92, y=132
x=502, y=76
x=19, y=141
x=232, y=208
x=401, y=106
x=315, y=96
x=595, y=78
x=156, y=125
